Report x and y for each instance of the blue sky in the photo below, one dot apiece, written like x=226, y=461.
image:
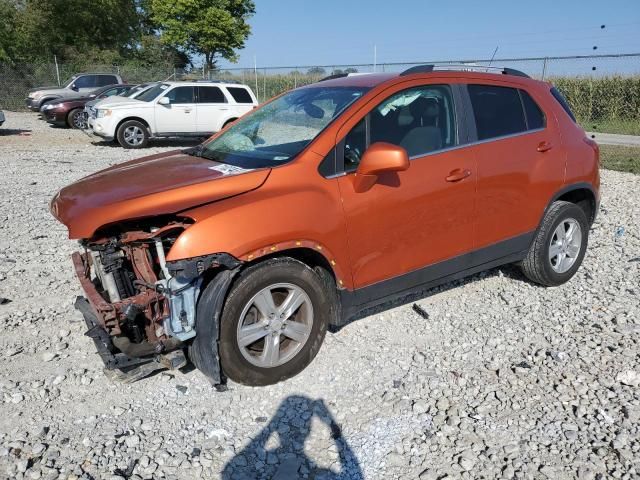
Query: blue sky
x=328, y=32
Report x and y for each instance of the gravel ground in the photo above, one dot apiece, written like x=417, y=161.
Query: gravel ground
x=503, y=379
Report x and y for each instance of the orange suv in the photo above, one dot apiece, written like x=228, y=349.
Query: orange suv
x=328, y=199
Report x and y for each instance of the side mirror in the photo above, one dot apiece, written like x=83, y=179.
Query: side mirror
x=73, y=87
x=164, y=101
x=379, y=158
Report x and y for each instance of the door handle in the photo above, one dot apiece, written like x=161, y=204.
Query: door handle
x=187, y=110
x=457, y=175
x=544, y=146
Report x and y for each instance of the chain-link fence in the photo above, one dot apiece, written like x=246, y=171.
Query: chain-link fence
x=603, y=90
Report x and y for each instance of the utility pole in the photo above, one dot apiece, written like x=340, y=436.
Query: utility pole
x=55, y=59
x=255, y=73
x=375, y=57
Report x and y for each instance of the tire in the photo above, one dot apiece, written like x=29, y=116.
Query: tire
x=132, y=134
x=76, y=119
x=540, y=265
x=278, y=278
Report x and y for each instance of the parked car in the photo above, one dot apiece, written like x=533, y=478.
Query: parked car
x=89, y=108
x=69, y=112
x=333, y=197
x=172, y=109
x=81, y=83
x=1, y=117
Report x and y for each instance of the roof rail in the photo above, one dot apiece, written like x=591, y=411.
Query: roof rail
x=464, y=67
x=335, y=75
x=214, y=80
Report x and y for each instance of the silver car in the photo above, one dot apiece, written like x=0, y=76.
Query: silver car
x=78, y=85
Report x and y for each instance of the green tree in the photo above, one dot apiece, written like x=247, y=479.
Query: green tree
x=41, y=28
x=7, y=30
x=212, y=28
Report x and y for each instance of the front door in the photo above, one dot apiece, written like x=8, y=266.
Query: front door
x=415, y=218
x=179, y=116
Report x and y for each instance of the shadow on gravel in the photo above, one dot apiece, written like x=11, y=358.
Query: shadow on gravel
x=292, y=424
x=509, y=271
x=5, y=132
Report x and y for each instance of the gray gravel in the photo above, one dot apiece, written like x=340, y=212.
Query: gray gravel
x=504, y=379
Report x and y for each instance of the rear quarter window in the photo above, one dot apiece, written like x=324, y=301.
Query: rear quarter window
x=240, y=95
x=533, y=113
x=563, y=102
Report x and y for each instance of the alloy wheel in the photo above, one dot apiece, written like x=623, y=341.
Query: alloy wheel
x=133, y=135
x=274, y=325
x=565, y=245
x=79, y=120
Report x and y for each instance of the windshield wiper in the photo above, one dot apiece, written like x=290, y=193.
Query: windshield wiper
x=195, y=151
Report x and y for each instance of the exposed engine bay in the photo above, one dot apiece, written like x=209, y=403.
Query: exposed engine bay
x=145, y=307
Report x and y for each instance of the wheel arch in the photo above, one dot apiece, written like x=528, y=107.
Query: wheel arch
x=583, y=195
x=126, y=119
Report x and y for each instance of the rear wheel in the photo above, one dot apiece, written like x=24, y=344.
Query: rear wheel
x=273, y=322
x=77, y=119
x=133, y=134
x=559, y=246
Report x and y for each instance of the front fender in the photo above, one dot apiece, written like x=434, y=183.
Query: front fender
x=280, y=215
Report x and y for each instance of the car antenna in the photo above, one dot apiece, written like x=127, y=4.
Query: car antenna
x=493, y=56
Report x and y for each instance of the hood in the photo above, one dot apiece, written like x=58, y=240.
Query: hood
x=78, y=99
x=108, y=100
x=42, y=89
x=127, y=104
x=159, y=184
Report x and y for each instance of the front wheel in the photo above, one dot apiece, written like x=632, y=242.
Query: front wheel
x=77, y=119
x=559, y=246
x=273, y=322
x=132, y=134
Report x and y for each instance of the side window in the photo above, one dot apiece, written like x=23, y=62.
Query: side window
x=85, y=81
x=421, y=120
x=111, y=92
x=497, y=111
x=355, y=143
x=240, y=95
x=104, y=80
x=533, y=113
x=180, y=95
x=563, y=102
x=211, y=95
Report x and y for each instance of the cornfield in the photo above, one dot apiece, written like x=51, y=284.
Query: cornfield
x=605, y=101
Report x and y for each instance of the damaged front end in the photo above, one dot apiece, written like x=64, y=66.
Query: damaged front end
x=140, y=309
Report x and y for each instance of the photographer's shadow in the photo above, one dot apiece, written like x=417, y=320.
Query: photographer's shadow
x=292, y=424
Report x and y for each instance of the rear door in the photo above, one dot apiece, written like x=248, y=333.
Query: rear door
x=179, y=116
x=213, y=107
x=520, y=162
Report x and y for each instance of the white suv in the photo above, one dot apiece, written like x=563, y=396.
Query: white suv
x=172, y=109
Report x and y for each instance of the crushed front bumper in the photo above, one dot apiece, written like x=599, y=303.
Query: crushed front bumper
x=103, y=323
